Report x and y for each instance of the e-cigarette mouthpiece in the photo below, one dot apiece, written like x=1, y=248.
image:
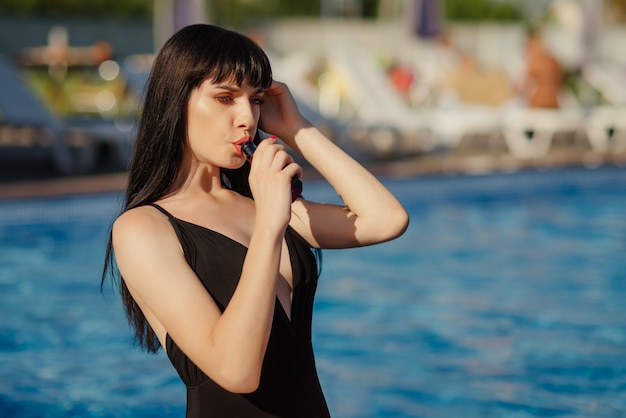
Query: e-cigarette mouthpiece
x=248, y=149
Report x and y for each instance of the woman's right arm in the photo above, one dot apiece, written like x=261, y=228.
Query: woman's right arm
x=230, y=346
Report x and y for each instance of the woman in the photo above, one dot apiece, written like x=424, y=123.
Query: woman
x=215, y=259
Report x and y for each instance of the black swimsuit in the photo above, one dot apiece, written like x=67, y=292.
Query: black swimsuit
x=289, y=384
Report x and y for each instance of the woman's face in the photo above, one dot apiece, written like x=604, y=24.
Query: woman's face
x=221, y=116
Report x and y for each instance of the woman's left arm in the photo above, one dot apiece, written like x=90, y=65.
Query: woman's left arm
x=371, y=213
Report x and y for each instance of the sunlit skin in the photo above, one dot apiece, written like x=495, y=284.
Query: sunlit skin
x=224, y=113
x=229, y=346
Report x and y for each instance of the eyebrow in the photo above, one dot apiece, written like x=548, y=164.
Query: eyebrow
x=230, y=87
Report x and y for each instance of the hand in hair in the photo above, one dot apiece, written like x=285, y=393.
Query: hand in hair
x=280, y=115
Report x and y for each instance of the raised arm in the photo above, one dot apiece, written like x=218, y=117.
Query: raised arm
x=371, y=213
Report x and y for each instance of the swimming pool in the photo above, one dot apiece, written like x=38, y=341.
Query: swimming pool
x=505, y=298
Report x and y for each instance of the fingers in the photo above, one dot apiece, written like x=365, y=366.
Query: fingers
x=276, y=86
x=266, y=152
x=271, y=155
x=279, y=112
x=270, y=181
x=273, y=158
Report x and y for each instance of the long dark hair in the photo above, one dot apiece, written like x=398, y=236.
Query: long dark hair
x=192, y=55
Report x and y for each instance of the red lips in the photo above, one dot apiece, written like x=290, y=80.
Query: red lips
x=237, y=144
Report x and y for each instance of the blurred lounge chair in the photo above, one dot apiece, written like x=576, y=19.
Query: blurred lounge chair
x=606, y=124
x=454, y=125
x=605, y=127
x=29, y=128
x=529, y=132
x=385, y=121
x=25, y=122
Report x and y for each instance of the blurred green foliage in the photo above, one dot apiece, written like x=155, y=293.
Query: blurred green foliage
x=78, y=8
x=480, y=10
x=240, y=12
x=225, y=12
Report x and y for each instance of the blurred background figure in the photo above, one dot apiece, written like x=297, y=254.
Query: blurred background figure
x=544, y=75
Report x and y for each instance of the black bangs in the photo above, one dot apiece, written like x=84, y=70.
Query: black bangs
x=239, y=59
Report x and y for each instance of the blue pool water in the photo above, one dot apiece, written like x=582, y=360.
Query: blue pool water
x=505, y=298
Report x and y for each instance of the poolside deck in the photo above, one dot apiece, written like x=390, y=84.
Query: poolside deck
x=58, y=186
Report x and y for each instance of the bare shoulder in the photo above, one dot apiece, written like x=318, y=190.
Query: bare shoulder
x=143, y=222
x=143, y=233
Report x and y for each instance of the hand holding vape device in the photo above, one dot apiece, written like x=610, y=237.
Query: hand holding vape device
x=248, y=149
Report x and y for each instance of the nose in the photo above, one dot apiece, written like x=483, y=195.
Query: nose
x=246, y=116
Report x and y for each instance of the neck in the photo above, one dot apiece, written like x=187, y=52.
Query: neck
x=197, y=178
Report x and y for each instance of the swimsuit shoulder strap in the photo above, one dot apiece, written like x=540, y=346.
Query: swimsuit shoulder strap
x=163, y=211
